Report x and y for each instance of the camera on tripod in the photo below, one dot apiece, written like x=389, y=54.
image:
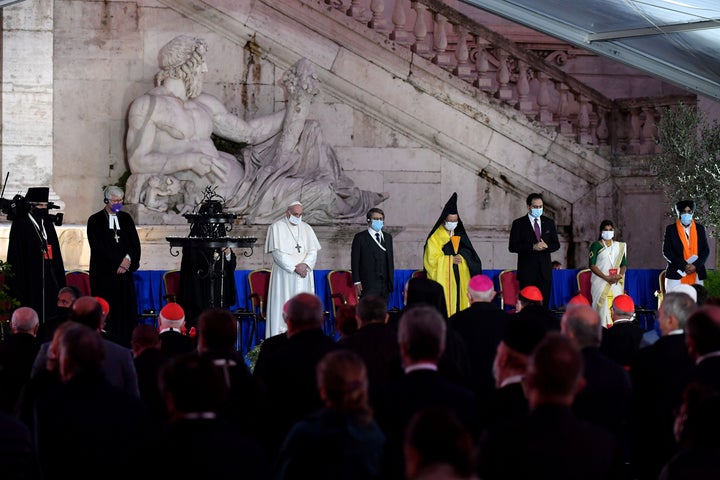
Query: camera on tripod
x=20, y=205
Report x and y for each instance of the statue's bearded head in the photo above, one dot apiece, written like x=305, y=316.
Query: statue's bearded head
x=183, y=58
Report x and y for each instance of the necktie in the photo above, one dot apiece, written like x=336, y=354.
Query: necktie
x=537, y=230
x=379, y=240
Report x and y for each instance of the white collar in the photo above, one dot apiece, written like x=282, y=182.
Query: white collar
x=113, y=223
x=421, y=366
x=511, y=379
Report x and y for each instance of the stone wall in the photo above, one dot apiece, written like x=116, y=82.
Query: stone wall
x=396, y=122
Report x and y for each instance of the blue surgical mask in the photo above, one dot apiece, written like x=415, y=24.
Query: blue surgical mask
x=686, y=218
x=536, y=212
x=377, y=225
x=450, y=226
x=116, y=207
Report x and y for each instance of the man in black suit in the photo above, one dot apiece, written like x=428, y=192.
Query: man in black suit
x=376, y=343
x=534, y=237
x=550, y=442
x=421, y=337
x=605, y=400
x=621, y=339
x=482, y=326
x=371, y=258
x=287, y=372
x=659, y=374
x=703, y=341
x=174, y=339
x=118, y=363
x=685, y=248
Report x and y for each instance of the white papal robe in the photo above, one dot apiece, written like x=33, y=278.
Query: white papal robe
x=283, y=240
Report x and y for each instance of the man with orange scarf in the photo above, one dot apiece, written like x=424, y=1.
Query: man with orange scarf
x=685, y=248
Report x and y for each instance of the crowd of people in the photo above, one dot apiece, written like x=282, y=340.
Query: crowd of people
x=479, y=394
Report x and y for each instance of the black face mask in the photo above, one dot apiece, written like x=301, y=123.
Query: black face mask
x=39, y=212
x=62, y=312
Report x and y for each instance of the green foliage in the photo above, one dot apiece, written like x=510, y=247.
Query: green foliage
x=712, y=283
x=252, y=355
x=688, y=166
x=7, y=302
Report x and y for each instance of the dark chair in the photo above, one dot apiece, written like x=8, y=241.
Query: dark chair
x=171, y=283
x=419, y=274
x=509, y=289
x=259, y=282
x=79, y=279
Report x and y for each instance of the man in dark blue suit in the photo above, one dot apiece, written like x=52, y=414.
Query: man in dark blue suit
x=421, y=337
x=534, y=237
x=371, y=258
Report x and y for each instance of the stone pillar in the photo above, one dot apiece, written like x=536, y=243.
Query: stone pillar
x=27, y=96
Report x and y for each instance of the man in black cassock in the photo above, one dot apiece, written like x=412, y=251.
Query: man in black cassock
x=37, y=269
x=114, y=256
x=207, y=279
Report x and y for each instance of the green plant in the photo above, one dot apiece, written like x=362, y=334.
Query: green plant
x=712, y=283
x=7, y=302
x=688, y=166
x=252, y=355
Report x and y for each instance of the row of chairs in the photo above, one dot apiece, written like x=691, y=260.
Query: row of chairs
x=510, y=287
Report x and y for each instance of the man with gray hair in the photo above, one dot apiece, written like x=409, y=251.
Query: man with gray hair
x=114, y=256
x=421, y=337
x=17, y=354
x=659, y=374
x=294, y=248
x=605, y=399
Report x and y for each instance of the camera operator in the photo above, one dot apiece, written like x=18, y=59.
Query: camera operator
x=36, y=264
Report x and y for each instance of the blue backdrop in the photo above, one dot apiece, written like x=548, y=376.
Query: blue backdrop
x=639, y=284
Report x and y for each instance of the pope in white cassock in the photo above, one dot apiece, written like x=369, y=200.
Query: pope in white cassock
x=294, y=248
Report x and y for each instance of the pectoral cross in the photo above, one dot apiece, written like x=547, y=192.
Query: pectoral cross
x=297, y=245
x=117, y=239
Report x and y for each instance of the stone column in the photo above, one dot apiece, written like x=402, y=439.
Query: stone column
x=26, y=147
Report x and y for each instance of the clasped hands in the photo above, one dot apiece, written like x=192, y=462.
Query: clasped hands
x=690, y=268
x=540, y=245
x=302, y=269
x=124, y=266
x=613, y=278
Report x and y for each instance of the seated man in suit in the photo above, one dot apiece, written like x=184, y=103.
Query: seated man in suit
x=550, y=442
x=621, y=340
x=173, y=335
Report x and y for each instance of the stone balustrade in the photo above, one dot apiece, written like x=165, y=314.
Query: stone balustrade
x=499, y=68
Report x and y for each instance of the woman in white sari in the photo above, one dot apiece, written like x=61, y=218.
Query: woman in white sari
x=607, y=261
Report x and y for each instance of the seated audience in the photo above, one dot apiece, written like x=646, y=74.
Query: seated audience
x=198, y=441
x=376, y=343
x=659, y=374
x=117, y=364
x=621, y=340
x=88, y=418
x=65, y=298
x=173, y=336
x=696, y=431
x=148, y=360
x=530, y=304
x=550, y=442
x=421, y=337
x=702, y=334
x=341, y=440
x=345, y=321
x=17, y=354
x=288, y=371
x=437, y=446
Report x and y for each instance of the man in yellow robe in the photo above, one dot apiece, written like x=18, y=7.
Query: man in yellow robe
x=449, y=257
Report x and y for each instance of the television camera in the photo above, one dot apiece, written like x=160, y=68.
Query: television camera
x=20, y=206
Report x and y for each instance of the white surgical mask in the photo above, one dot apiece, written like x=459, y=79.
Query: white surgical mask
x=450, y=226
x=607, y=234
x=295, y=220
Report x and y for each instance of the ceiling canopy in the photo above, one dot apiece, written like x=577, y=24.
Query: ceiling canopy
x=676, y=40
